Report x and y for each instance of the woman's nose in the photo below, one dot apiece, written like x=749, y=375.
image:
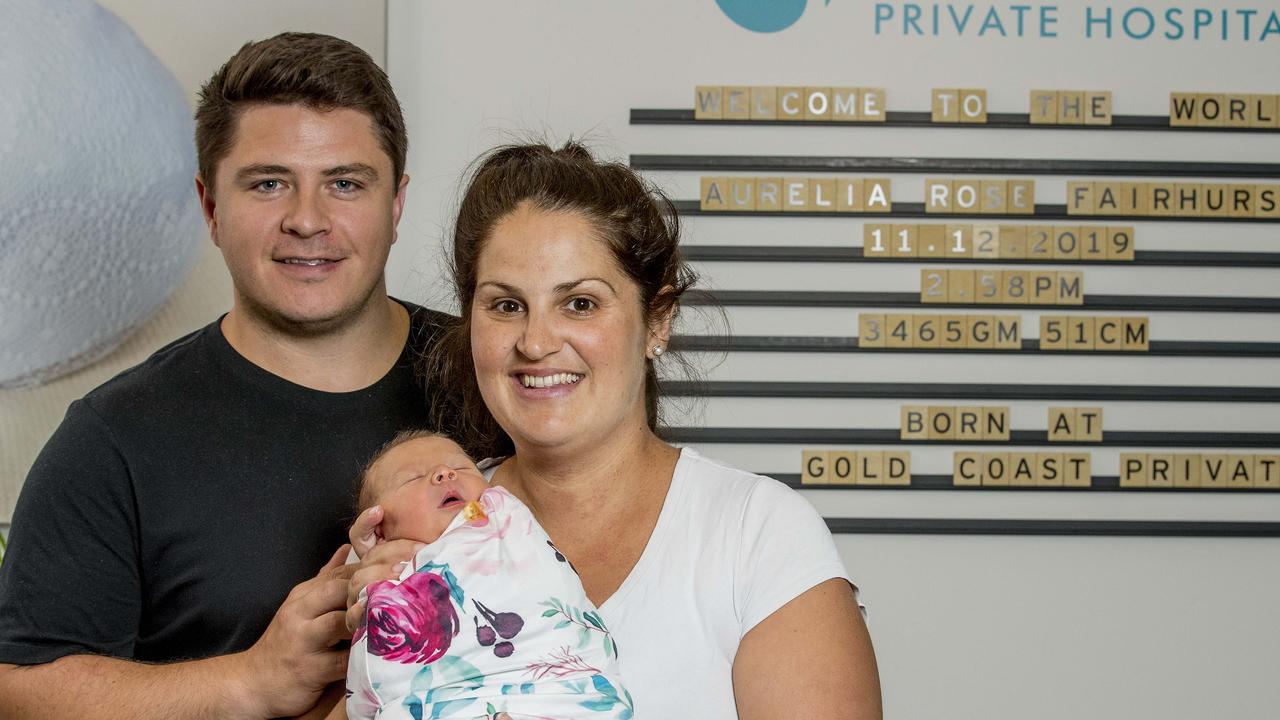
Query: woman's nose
x=538, y=339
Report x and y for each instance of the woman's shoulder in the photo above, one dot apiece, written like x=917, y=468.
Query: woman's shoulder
x=710, y=480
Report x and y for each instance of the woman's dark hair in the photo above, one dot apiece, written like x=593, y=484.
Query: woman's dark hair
x=637, y=222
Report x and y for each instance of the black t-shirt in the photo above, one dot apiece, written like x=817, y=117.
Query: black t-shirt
x=177, y=504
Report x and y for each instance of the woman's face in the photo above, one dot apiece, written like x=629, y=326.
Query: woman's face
x=558, y=333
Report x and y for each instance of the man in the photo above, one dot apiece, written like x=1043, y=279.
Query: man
x=164, y=551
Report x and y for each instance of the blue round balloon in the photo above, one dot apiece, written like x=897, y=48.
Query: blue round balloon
x=763, y=16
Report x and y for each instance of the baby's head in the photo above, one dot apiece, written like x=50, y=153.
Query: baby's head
x=422, y=480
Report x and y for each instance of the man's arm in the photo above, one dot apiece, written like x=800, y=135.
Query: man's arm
x=284, y=673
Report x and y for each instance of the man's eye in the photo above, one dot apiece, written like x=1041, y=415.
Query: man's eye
x=345, y=185
x=268, y=185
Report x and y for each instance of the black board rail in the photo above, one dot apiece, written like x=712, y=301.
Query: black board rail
x=1104, y=528
x=818, y=344
x=969, y=391
x=838, y=254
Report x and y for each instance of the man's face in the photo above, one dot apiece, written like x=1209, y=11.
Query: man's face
x=304, y=208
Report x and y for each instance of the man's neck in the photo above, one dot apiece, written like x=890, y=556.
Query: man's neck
x=350, y=357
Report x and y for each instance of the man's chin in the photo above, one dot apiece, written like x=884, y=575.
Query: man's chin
x=313, y=321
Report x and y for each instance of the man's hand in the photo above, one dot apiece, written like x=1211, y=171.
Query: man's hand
x=291, y=664
x=379, y=560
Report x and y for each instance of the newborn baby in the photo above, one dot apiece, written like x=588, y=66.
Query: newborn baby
x=535, y=646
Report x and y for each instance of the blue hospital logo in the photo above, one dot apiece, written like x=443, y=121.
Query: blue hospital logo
x=764, y=16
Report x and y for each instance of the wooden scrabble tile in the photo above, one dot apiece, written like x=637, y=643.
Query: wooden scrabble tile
x=992, y=197
x=1133, y=198
x=979, y=331
x=844, y=104
x=768, y=194
x=736, y=103
x=1214, y=471
x=1107, y=197
x=876, y=195
x=1066, y=243
x=1079, y=197
x=707, y=102
x=790, y=103
x=937, y=195
x=1108, y=333
x=1070, y=288
x=1160, y=198
x=897, y=467
x=714, y=193
x=1160, y=470
x=1262, y=111
x=871, y=330
x=1008, y=330
x=742, y=193
x=925, y=331
x=1120, y=243
x=1093, y=242
x=1077, y=469
x=1053, y=332
x=986, y=241
x=822, y=194
x=898, y=330
x=1134, y=472
x=1013, y=241
x=1242, y=201
x=1097, y=107
x=813, y=467
x=1267, y=201
x=1088, y=424
x=764, y=102
x=969, y=424
x=795, y=194
x=1044, y=107
x=959, y=238
x=1186, y=470
x=870, y=468
x=946, y=106
x=1039, y=242
x=932, y=240
x=960, y=287
x=1079, y=333
x=1137, y=337
x=966, y=469
x=876, y=238
x=1182, y=110
x=848, y=195
x=953, y=332
x=1070, y=107
x=1022, y=469
x=1236, y=109
x=942, y=423
x=995, y=424
x=842, y=467
x=995, y=468
x=986, y=287
x=1044, y=287
x=1062, y=424
x=1049, y=470
x=817, y=103
x=1241, y=471
x=1022, y=196
x=904, y=241
x=973, y=106
x=1266, y=472
x=874, y=105
x=1211, y=200
x=1212, y=107
x=966, y=197
x=913, y=425
x=933, y=285
x=1015, y=287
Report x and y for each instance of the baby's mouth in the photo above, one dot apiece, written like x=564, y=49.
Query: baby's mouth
x=451, y=499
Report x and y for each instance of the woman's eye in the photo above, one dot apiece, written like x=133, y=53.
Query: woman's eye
x=507, y=306
x=581, y=305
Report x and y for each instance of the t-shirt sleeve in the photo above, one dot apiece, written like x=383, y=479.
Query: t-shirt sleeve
x=786, y=550
x=70, y=582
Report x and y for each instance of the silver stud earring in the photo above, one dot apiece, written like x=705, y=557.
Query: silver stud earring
x=657, y=350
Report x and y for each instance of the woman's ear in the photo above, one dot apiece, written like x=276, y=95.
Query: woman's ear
x=660, y=326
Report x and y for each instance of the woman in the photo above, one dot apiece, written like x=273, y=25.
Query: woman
x=722, y=588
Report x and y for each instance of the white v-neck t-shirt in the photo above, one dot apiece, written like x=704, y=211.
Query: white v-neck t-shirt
x=728, y=550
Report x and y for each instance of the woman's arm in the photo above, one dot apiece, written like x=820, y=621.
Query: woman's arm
x=810, y=658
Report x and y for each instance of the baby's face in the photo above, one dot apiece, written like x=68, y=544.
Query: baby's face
x=421, y=484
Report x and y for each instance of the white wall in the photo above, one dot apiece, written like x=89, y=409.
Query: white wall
x=193, y=39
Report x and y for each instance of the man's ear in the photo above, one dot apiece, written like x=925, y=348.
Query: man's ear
x=205, y=194
x=397, y=207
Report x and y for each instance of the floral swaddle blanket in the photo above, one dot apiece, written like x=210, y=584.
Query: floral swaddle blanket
x=489, y=619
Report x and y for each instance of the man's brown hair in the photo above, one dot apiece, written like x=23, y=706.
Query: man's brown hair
x=319, y=71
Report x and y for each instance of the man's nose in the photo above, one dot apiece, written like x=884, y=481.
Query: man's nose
x=306, y=215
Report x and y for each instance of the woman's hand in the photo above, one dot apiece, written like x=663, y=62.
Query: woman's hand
x=379, y=560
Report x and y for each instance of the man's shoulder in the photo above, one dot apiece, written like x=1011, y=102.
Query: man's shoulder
x=172, y=364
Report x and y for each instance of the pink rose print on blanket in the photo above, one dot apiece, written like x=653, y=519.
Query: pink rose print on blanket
x=413, y=622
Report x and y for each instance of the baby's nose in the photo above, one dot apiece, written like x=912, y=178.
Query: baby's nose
x=441, y=474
